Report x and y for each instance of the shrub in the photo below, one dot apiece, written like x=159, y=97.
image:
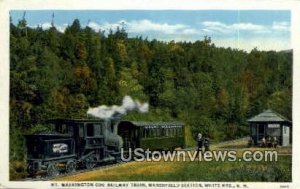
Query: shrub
x=17, y=170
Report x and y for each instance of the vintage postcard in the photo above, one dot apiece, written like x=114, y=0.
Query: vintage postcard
x=152, y=94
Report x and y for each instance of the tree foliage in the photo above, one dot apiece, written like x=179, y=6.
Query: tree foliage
x=213, y=90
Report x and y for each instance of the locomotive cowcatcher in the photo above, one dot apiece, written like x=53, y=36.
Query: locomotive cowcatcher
x=71, y=144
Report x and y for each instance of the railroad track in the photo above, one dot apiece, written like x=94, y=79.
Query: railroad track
x=47, y=178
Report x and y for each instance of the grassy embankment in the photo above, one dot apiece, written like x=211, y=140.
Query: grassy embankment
x=279, y=171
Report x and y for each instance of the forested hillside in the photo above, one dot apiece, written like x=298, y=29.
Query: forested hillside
x=212, y=90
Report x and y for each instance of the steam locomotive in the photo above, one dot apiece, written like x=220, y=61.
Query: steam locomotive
x=84, y=143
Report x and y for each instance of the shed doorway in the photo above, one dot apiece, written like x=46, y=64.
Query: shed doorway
x=261, y=131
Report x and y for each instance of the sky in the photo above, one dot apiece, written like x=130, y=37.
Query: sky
x=244, y=29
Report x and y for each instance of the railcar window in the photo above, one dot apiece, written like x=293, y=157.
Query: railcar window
x=158, y=132
x=99, y=129
x=167, y=132
x=90, y=129
x=180, y=131
x=58, y=128
x=62, y=128
x=112, y=128
x=143, y=132
x=163, y=132
x=147, y=133
x=81, y=132
x=171, y=132
x=108, y=128
x=174, y=132
x=70, y=130
x=155, y=132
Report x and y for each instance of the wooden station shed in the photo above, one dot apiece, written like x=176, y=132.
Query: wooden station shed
x=270, y=124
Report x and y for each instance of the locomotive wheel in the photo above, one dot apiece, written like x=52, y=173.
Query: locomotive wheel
x=30, y=170
x=90, y=162
x=52, y=170
x=70, y=167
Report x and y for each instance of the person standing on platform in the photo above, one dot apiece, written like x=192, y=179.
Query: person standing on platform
x=199, y=142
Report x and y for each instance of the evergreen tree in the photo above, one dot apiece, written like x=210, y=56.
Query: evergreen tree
x=211, y=89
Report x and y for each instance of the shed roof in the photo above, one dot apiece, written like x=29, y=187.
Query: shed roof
x=268, y=116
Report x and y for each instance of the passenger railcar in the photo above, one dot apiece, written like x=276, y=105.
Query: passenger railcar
x=152, y=135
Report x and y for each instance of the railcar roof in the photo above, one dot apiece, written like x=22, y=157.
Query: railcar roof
x=49, y=133
x=60, y=120
x=146, y=123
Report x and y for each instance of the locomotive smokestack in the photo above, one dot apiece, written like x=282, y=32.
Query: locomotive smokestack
x=128, y=104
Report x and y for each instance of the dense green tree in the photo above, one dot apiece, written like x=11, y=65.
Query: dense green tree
x=212, y=90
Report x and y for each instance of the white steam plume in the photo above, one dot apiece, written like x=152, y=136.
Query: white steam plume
x=128, y=104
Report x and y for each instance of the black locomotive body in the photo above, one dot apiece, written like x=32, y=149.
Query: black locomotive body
x=73, y=143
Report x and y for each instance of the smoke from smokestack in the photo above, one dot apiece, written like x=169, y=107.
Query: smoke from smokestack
x=128, y=104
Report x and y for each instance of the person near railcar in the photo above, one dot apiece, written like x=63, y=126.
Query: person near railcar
x=199, y=142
